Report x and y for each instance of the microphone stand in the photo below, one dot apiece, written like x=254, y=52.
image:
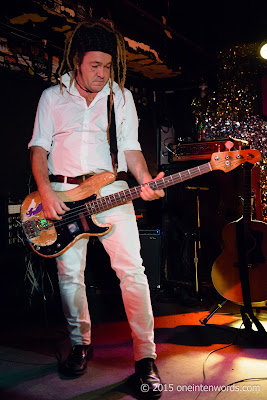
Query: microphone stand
x=197, y=244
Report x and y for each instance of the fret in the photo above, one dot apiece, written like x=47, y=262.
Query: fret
x=113, y=199
x=91, y=207
x=171, y=180
x=119, y=196
x=101, y=205
x=97, y=206
x=175, y=179
x=156, y=183
x=107, y=201
x=122, y=197
x=137, y=190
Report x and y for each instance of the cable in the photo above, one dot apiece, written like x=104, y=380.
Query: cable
x=209, y=354
x=34, y=279
x=232, y=383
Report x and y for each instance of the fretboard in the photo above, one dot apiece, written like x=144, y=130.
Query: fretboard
x=113, y=200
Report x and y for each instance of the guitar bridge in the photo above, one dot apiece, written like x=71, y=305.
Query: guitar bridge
x=31, y=229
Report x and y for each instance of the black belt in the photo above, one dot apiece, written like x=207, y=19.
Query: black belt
x=77, y=180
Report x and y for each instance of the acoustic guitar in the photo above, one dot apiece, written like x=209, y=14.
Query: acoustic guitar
x=244, y=242
x=52, y=238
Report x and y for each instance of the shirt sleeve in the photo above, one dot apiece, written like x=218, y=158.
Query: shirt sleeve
x=129, y=137
x=43, y=125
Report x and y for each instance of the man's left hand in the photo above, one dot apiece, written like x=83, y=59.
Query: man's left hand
x=149, y=194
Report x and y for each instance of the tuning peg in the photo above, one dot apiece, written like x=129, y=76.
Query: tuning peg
x=228, y=145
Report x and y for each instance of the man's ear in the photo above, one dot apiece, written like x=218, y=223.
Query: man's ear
x=76, y=62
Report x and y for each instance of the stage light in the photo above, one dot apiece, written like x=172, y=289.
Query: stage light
x=263, y=51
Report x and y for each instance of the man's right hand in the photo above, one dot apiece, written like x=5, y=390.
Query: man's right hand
x=53, y=206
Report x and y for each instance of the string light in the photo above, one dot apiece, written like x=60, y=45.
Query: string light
x=233, y=109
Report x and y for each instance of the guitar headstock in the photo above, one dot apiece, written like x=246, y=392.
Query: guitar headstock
x=229, y=160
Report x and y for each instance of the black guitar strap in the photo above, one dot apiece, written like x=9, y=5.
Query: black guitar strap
x=113, y=137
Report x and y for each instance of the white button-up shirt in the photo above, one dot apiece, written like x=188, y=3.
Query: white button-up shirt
x=75, y=134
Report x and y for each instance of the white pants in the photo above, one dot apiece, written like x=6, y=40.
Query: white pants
x=123, y=247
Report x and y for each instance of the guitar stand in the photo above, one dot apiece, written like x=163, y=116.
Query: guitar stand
x=248, y=318
x=246, y=309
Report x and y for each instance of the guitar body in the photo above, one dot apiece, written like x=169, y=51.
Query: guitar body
x=225, y=270
x=50, y=239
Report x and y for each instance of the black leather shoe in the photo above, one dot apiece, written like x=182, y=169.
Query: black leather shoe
x=148, y=376
x=76, y=362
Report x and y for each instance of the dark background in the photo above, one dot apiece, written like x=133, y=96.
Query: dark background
x=199, y=32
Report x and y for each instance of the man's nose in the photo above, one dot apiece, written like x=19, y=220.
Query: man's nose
x=100, y=72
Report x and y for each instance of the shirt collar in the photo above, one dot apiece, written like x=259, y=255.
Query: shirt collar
x=66, y=82
x=73, y=90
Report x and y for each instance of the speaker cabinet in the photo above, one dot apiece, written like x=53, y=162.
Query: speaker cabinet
x=100, y=274
x=150, y=240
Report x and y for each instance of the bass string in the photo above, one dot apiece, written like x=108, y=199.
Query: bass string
x=134, y=192
x=117, y=197
x=71, y=215
x=92, y=205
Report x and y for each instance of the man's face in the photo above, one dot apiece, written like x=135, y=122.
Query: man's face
x=94, y=71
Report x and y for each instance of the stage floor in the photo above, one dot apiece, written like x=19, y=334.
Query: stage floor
x=194, y=360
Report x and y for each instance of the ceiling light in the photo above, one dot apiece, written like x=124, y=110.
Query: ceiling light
x=263, y=51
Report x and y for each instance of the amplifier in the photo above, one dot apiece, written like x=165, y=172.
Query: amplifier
x=15, y=232
x=201, y=150
x=100, y=274
x=150, y=240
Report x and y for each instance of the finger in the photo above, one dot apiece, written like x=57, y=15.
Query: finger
x=55, y=212
x=146, y=198
x=56, y=217
x=159, y=193
x=64, y=206
x=160, y=175
x=148, y=195
x=147, y=191
x=52, y=215
x=152, y=193
x=59, y=210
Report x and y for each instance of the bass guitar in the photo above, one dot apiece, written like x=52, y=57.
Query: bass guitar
x=243, y=262
x=52, y=238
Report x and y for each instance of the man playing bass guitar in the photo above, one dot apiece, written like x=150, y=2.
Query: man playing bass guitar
x=71, y=140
